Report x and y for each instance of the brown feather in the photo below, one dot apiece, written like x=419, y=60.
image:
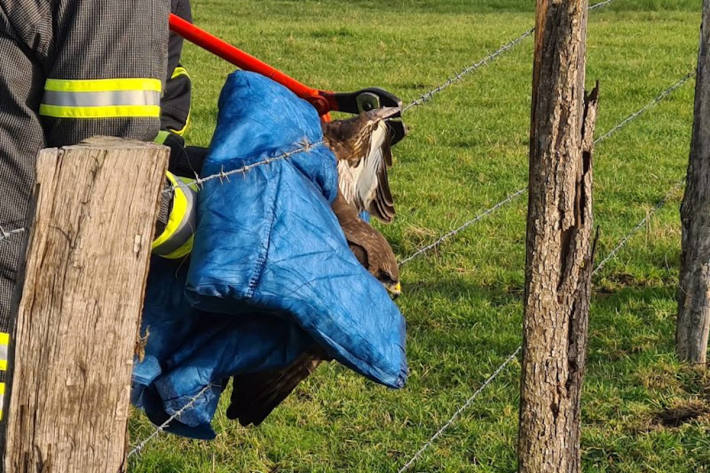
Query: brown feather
x=351, y=142
x=255, y=396
x=367, y=244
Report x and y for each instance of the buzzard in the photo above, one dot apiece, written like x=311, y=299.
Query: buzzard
x=362, y=146
x=255, y=395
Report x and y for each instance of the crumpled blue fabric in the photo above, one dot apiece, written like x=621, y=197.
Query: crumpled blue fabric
x=270, y=271
x=188, y=349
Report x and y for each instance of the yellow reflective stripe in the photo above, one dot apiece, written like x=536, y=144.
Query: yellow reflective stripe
x=182, y=130
x=180, y=71
x=2, y=389
x=2, y=398
x=162, y=136
x=184, y=250
x=102, y=85
x=110, y=111
x=176, y=214
x=4, y=348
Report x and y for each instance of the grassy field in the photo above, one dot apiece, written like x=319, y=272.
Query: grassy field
x=466, y=151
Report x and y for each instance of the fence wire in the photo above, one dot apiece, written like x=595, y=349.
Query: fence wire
x=140, y=446
x=638, y=226
x=665, y=93
x=458, y=77
x=459, y=411
x=500, y=368
x=304, y=146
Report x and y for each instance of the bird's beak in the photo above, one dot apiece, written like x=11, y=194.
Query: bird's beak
x=395, y=289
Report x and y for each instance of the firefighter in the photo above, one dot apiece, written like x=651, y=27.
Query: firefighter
x=70, y=70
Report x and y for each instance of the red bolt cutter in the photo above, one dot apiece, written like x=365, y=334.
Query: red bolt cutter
x=324, y=101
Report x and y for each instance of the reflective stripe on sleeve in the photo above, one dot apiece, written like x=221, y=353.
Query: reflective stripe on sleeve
x=101, y=98
x=176, y=240
x=180, y=71
x=4, y=347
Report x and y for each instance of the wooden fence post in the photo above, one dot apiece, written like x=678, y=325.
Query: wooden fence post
x=559, y=254
x=80, y=311
x=693, y=322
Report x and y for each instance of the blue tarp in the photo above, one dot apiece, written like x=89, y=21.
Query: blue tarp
x=270, y=271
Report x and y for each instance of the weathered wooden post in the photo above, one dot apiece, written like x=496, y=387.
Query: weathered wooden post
x=559, y=249
x=79, y=315
x=693, y=322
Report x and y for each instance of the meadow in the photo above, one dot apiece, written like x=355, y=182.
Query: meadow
x=466, y=151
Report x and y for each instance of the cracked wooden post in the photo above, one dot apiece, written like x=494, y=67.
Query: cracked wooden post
x=693, y=322
x=559, y=256
x=87, y=265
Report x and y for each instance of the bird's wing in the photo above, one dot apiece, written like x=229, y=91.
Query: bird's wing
x=373, y=188
x=255, y=395
x=347, y=182
x=383, y=204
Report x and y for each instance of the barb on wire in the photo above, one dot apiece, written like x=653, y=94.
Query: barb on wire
x=463, y=227
x=653, y=102
x=639, y=225
x=304, y=146
x=459, y=411
x=473, y=67
x=6, y=234
x=518, y=192
x=138, y=448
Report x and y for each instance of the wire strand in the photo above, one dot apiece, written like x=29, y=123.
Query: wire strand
x=303, y=147
x=486, y=60
x=665, y=93
x=139, y=447
x=470, y=400
x=458, y=412
x=463, y=227
x=653, y=102
x=639, y=225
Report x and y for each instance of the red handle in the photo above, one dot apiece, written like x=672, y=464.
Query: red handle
x=318, y=98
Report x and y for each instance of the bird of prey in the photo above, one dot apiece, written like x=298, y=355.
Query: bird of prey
x=362, y=146
x=255, y=395
x=368, y=245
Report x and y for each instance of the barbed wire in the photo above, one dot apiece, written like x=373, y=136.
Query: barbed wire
x=467, y=70
x=6, y=234
x=463, y=227
x=140, y=446
x=459, y=411
x=665, y=93
x=500, y=368
x=474, y=67
x=304, y=146
x=600, y=4
x=653, y=102
x=638, y=226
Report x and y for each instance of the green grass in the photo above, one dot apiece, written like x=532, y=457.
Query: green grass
x=466, y=151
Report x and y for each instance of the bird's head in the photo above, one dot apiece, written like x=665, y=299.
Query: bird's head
x=394, y=287
x=387, y=271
